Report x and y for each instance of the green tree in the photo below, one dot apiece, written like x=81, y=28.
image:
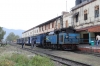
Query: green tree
x=2, y=33
x=17, y=36
x=12, y=37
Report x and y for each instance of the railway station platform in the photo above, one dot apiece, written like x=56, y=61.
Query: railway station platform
x=89, y=48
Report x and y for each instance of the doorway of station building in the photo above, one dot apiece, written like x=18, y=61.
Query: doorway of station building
x=86, y=38
x=98, y=33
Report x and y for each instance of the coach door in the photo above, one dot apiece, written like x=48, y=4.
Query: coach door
x=61, y=39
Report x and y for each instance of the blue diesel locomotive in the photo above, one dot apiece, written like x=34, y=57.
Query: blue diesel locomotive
x=63, y=39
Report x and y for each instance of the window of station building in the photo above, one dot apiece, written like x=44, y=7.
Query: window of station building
x=40, y=29
x=48, y=26
x=58, y=25
x=76, y=18
x=43, y=27
x=53, y=25
x=96, y=11
x=85, y=15
x=66, y=24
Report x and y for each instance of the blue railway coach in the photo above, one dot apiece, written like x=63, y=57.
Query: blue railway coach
x=40, y=39
x=27, y=40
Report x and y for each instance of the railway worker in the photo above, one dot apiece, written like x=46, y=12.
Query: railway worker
x=32, y=43
x=23, y=44
x=98, y=39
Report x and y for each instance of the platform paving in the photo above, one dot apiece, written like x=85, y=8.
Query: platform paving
x=89, y=48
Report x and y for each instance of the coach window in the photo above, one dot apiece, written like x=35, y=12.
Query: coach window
x=85, y=15
x=96, y=11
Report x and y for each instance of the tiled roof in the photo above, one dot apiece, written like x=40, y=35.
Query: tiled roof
x=94, y=29
x=90, y=29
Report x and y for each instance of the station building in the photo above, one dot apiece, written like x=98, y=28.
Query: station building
x=86, y=20
x=84, y=17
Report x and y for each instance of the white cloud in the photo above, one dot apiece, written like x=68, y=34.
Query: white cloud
x=25, y=14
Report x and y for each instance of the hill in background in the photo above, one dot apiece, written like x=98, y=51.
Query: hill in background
x=16, y=32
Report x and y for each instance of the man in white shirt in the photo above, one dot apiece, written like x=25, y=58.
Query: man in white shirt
x=98, y=39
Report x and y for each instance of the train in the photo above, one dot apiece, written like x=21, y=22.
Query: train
x=64, y=39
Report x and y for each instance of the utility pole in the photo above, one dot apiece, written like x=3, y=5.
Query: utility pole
x=66, y=6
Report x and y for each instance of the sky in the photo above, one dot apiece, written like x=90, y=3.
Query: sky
x=25, y=14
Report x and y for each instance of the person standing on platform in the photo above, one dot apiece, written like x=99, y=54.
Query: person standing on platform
x=32, y=43
x=23, y=44
x=98, y=39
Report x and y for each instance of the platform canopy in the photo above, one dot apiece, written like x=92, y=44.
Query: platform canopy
x=91, y=29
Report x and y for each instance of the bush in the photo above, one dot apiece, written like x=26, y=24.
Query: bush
x=41, y=61
x=6, y=62
x=22, y=60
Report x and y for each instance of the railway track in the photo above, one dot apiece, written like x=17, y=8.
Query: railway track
x=66, y=62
